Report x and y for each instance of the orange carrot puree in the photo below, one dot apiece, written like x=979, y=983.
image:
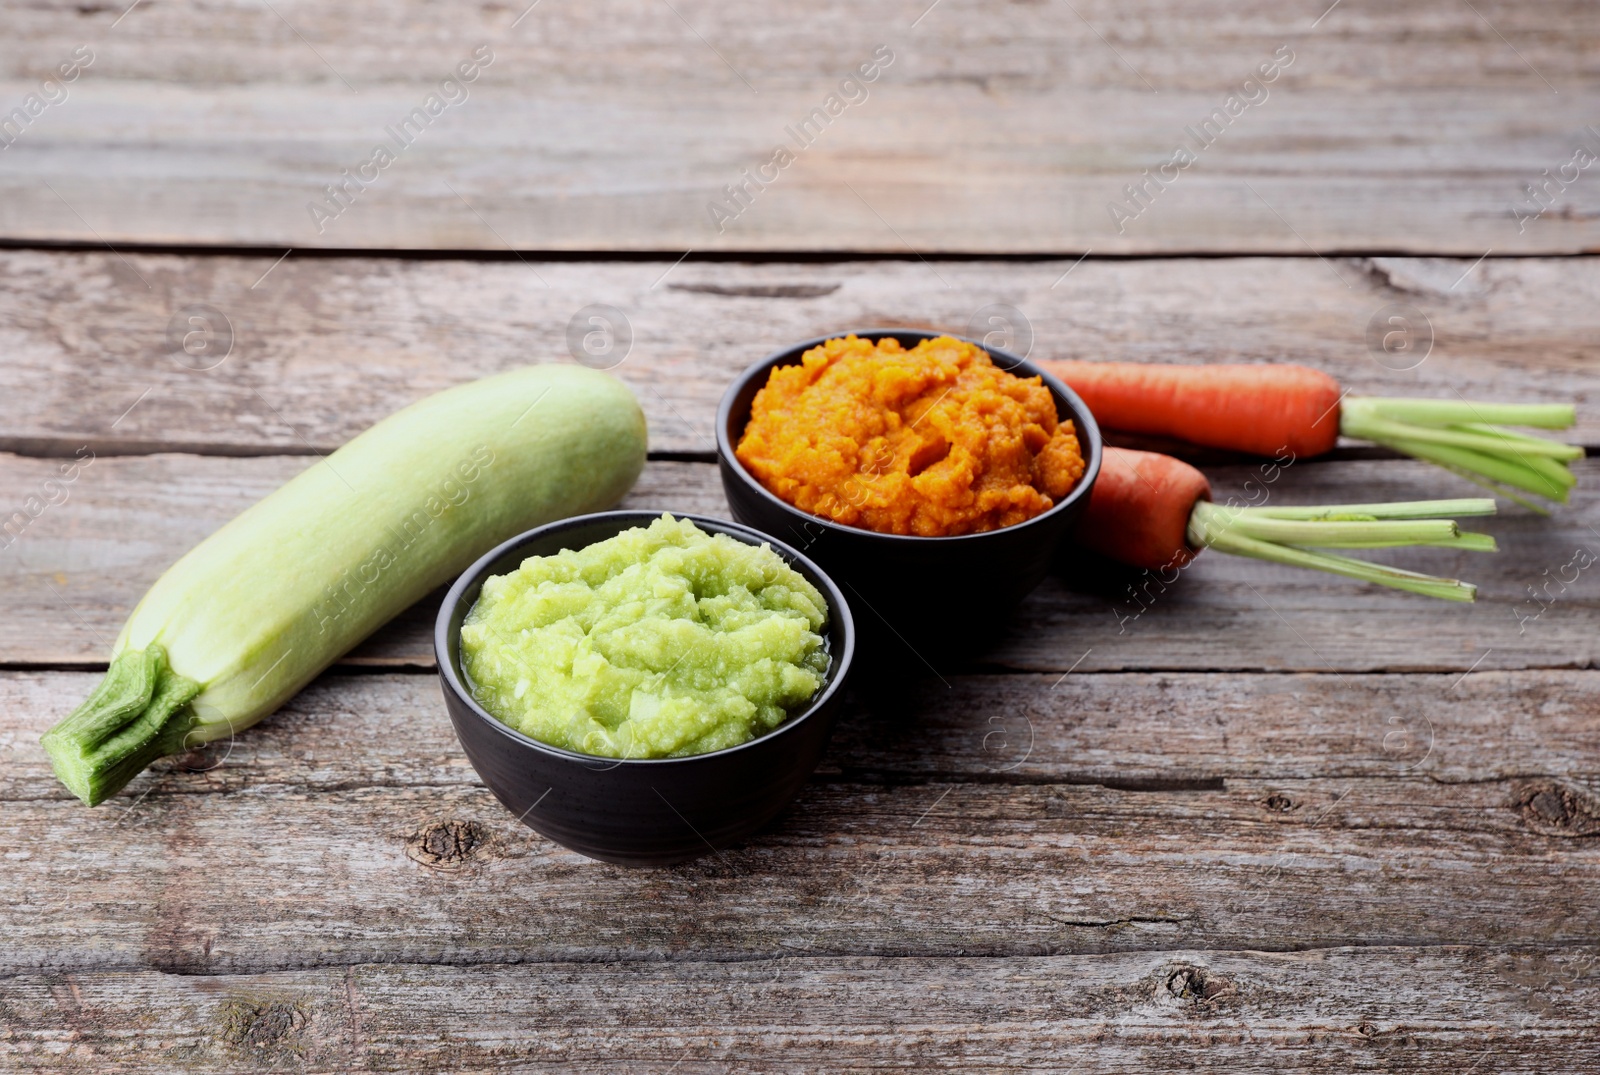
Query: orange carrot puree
x=933, y=441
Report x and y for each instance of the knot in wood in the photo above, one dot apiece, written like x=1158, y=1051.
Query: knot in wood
x=446, y=845
x=1199, y=986
x=1554, y=808
x=263, y=1028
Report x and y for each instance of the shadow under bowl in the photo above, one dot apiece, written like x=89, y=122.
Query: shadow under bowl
x=915, y=597
x=640, y=812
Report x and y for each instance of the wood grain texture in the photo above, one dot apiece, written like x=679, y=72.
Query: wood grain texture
x=1129, y=824
x=323, y=347
x=1507, y=1010
x=997, y=127
x=1129, y=731
x=74, y=574
x=200, y=884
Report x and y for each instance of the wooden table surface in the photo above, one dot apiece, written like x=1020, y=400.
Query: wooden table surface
x=1260, y=821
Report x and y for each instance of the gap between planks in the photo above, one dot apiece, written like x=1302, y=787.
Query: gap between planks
x=56, y=447
x=378, y=666
x=762, y=256
x=667, y=957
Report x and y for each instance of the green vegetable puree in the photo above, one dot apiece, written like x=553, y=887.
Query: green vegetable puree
x=660, y=642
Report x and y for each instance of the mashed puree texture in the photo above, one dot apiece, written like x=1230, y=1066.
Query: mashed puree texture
x=660, y=642
x=934, y=441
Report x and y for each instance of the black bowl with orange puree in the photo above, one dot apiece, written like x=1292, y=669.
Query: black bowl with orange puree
x=915, y=598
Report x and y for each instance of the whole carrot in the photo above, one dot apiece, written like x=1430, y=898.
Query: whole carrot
x=1153, y=511
x=1271, y=409
x=1264, y=410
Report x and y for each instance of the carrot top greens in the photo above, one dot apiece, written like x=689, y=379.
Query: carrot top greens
x=1296, y=536
x=1470, y=439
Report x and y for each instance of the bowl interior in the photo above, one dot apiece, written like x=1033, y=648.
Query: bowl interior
x=583, y=530
x=734, y=414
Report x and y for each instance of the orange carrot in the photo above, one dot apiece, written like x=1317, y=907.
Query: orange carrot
x=1265, y=409
x=1139, y=509
x=1155, y=512
x=1278, y=410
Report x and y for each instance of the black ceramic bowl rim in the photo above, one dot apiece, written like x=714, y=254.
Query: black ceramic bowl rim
x=1088, y=432
x=478, y=572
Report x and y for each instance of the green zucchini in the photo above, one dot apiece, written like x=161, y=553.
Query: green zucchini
x=256, y=610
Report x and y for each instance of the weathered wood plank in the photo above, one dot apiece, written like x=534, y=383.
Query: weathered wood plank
x=273, y=880
x=323, y=347
x=1178, y=731
x=1510, y=1010
x=995, y=128
x=76, y=572
x=1140, y=812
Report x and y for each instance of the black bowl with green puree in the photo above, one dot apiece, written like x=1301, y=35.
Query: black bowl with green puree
x=631, y=810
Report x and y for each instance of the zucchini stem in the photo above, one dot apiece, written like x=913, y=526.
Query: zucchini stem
x=1294, y=536
x=139, y=712
x=1467, y=439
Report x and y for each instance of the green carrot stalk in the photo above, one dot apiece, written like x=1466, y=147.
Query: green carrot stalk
x=1258, y=533
x=1467, y=439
